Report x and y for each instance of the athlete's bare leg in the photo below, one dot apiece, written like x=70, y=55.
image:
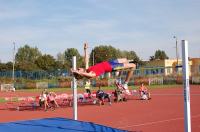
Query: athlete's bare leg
x=129, y=75
x=129, y=65
x=122, y=60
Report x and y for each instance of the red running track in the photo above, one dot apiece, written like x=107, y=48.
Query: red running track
x=165, y=112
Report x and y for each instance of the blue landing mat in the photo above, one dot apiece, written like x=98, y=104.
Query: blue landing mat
x=54, y=125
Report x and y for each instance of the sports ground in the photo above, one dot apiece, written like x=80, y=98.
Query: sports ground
x=164, y=112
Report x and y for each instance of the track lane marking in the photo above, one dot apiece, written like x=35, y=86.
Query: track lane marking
x=156, y=122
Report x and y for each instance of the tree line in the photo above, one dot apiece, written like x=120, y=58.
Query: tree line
x=31, y=58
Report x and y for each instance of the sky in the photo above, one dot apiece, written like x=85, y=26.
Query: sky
x=143, y=26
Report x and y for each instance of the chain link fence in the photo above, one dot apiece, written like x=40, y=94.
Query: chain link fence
x=62, y=78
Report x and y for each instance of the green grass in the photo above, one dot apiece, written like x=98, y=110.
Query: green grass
x=2, y=100
x=96, y=88
x=34, y=90
x=165, y=86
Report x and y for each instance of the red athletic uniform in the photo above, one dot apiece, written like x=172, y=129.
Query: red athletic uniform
x=100, y=68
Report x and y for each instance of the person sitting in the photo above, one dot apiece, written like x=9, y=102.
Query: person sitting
x=52, y=100
x=104, y=67
x=120, y=87
x=43, y=100
x=101, y=96
x=118, y=91
x=144, y=93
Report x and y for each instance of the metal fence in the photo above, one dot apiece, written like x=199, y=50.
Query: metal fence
x=35, y=79
x=35, y=75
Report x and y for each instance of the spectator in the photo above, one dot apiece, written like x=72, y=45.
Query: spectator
x=144, y=93
x=101, y=96
x=52, y=100
x=43, y=100
x=87, y=87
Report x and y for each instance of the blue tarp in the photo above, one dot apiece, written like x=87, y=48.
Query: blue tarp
x=54, y=125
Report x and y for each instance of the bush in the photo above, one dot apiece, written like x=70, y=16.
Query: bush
x=140, y=80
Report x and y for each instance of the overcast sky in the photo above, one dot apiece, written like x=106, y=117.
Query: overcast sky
x=143, y=26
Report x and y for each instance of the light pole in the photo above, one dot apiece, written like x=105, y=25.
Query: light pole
x=92, y=51
x=93, y=56
x=13, y=74
x=176, y=52
x=86, y=58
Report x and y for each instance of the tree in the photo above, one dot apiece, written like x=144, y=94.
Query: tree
x=159, y=54
x=69, y=53
x=151, y=58
x=61, y=57
x=46, y=62
x=104, y=53
x=26, y=57
x=6, y=66
x=130, y=55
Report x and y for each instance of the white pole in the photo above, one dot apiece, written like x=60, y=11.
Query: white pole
x=185, y=63
x=74, y=89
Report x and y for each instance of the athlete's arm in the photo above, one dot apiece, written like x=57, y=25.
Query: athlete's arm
x=87, y=75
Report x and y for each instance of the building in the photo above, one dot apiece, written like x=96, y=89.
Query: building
x=164, y=67
x=195, y=68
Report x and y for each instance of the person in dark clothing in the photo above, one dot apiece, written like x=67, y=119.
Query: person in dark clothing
x=101, y=96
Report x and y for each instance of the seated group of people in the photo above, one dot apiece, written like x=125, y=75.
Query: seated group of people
x=48, y=100
x=121, y=92
x=100, y=94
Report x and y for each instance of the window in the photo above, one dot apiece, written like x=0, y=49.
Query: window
x=162, y=71
x=168, y=70
x=146, y=72
x=199, y=68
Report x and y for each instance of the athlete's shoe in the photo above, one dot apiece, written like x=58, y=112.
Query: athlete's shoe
x=125, y=86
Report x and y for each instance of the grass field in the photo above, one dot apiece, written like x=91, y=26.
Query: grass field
x=96, y=88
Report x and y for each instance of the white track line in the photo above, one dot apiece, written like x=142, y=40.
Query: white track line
x=174, y=94
x=155, y=122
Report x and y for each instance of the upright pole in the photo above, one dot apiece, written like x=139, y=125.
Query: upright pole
x=187, y=118
x=93, y=57
x=177, y=53
x=13, y=71
x=74, y=89
x=86, y=57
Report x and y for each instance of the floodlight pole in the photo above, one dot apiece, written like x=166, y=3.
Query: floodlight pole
x=176, y=54
x=93, y=56
x=13, y=72
x=86, y=57
x=74, y=90
x=187, y=114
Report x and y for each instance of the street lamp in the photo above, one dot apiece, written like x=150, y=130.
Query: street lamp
x=176, y=52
